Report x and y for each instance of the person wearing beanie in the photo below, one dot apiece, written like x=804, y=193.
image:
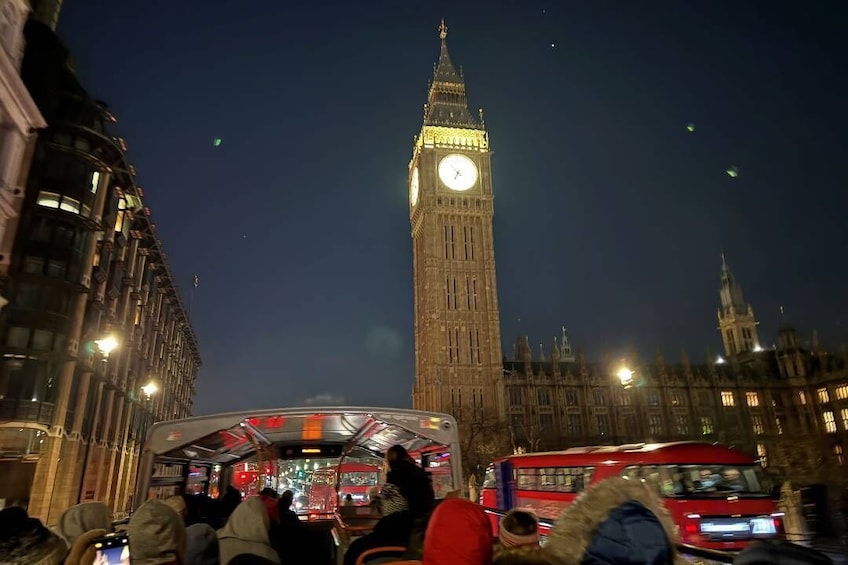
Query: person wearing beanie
x=518, y=528
x=157, y=535
x=25, y=540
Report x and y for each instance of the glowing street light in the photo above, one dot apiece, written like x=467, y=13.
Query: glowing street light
x=106, y=345
x=625, y=376
x=149, y=389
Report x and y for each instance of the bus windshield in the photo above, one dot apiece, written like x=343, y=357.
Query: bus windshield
x=305, y=450
x=696, y=481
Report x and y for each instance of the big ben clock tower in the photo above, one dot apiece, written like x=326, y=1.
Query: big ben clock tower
x=458, y=363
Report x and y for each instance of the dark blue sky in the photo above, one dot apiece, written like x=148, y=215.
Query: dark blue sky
x=610, y=216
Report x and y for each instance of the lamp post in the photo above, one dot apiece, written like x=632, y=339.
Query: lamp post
x=105, y=345
x=627, y=379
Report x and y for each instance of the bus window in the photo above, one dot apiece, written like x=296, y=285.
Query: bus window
x=558, y=479
x=528, y=479
x=490, y=480
x=701, y=480
x=573, y=479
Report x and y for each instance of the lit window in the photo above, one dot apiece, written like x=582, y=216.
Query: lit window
x=757, y=424
x=844, y=414
x=829, y=422
x=48, y=199
x=119, y=219
x=802, y=397
x=778, y=425
x=727, y=398
x=752, y=398
x=842, y=392
x=70, y=205
x=761, y=453
x=95, y=181
x=706, y=425
x=837, y=452
x=823, y=396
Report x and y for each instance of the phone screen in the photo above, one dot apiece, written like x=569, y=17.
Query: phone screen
x=112, y=550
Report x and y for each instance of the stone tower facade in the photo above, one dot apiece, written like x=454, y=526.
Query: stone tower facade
x=458, y=361
x=736, y=320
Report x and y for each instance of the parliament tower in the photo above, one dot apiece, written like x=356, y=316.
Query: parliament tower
x=458, y=361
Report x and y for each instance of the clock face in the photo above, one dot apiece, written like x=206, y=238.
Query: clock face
x=458, y=172
x=413, y=187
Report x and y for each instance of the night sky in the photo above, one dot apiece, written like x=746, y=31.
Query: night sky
x=610, y=216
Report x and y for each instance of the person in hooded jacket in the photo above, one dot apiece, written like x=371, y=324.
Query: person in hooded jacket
x=157, y=535
x=459, y=533
x=246, y=532
x=413, y=482
x=615, y=521
x=82, y=518
x=201, y=545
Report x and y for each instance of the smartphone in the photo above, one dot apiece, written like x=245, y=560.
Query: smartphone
x=113, y=549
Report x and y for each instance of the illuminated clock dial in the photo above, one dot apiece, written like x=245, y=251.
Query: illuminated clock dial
x=458, y=172
x=414, y=187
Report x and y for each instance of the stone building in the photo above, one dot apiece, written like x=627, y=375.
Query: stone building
x=19, y=120
x=787, y=404
x=96, y=341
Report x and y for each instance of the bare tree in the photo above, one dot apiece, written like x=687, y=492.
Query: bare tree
x=483, y=438
x=526, y=437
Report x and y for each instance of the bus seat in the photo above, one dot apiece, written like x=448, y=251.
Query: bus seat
x=372, y=556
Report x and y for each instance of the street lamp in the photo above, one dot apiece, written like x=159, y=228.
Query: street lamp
x=625, y=377
x=106, y=345
x=149, y=389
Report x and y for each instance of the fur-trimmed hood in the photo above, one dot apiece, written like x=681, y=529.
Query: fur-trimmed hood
x=616, y=521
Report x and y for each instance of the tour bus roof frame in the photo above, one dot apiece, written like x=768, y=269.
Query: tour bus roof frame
x=189, y=430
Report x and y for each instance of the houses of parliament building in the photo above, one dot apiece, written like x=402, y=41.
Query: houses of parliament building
x=787, y=403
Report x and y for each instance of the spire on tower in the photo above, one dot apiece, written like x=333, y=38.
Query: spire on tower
x=565, y=348
x=448, y=105
x=736, y=320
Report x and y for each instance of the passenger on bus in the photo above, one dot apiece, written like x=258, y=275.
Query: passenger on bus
x=394, y=528
x=270, y=499
x=348, y=501
x=25, y=540
x=414, y=483
x=246, y=532
x=229, y=502
x=615, y=521
x=157, y=535
x=459, y=533
x=518, y=528
x=201, y=545
x=82, y=518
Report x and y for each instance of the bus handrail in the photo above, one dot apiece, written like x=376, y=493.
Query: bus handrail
x=684, y=548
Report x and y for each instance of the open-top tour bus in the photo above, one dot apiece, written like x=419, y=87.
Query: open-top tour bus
x=199, y=455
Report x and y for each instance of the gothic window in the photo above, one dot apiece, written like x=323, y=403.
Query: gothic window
x=706, y=425
x=731, y=342
x=829, y=422
x=543, y=395
x=677, y=397
x=752, y=398
x=761, y=453
x=627, y=424
x=571, y=397
x=515, y=397
x=824, y=397
x=450, y=242
x=681, y=421
x=450, y=287
x=727, y=398
x=655, y=426
x=842, y=392
x=837, y=453
x=653, y=398
x=603, y=424
x=575, y=425
x=778, y=425
x=474, y=345
x=844, y=414
x=802, y=398
x=468, y=234
x=624, y=398
x=471, y=293
x=599, y=397
x=757, y=424
x=546, y=422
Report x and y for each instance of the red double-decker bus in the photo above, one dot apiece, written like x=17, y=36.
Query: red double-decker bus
x=716, y=494
x=356, y=479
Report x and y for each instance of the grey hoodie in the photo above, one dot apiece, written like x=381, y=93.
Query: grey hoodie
x=246, y=532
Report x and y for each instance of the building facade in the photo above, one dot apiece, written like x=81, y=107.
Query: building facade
x=19, y=119
x=96, y=341
x=458, y=363
x=788, y=405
